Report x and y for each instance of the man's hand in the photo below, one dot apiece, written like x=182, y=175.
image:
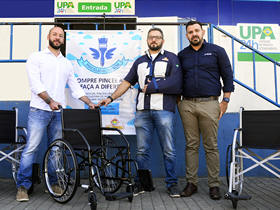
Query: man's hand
x=54, y=105
x=146, y=86
x=104, y=102
x=223, y=108
x=92, y=105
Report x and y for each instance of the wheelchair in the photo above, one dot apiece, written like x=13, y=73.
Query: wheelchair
x=14, y=137
x=258, y=130
x=84, y=147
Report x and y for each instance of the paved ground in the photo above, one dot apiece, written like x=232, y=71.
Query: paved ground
x=265, y=194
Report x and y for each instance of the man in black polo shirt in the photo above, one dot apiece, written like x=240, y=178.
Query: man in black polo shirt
x=203, y=65
x=159, y=76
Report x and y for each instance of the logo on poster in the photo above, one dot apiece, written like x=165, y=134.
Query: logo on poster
x=103, y=52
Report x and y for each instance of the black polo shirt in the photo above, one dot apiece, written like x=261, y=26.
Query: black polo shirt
x=203, y=69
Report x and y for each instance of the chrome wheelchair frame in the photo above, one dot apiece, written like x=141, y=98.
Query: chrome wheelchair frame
x=258, y=130
x=15, y=138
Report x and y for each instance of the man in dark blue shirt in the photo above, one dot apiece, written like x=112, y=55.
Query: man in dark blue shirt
x=159, y=76
x=203, y=65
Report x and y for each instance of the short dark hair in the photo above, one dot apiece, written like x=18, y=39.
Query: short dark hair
x=155, y=29
x=193, y=22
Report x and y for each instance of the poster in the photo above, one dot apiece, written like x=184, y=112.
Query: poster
x=101, y=60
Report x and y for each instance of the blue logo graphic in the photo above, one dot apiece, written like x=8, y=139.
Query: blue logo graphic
x=103, y=51
x=100, y=70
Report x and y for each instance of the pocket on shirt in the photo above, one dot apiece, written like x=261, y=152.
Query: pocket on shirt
x=208, y=62
x=160, y=69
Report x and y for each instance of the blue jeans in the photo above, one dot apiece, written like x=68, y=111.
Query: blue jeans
x=38, y=121
x=163, y=121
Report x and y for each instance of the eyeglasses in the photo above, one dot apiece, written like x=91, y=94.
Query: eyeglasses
x=154, y=37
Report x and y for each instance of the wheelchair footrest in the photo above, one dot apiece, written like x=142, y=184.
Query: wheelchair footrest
x=117, y=196
x=232, y=196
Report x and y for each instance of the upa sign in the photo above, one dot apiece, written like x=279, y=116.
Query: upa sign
x=94, y=7
x=263, y=37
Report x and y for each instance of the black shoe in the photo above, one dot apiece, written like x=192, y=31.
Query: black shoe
x=173, y=191
x=138, y=189
x=214, y=193
x=189, y=190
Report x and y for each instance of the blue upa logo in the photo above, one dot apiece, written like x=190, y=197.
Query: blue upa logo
x=103, y=52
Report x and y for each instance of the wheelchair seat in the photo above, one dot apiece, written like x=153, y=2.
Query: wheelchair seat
x=259, y=129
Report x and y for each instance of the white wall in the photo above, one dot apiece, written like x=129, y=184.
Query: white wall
x=14, y=83
x=171, y=33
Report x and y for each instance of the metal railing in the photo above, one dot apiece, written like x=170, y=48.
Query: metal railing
x=254, y=52
x=180, y=46
x=67, y=25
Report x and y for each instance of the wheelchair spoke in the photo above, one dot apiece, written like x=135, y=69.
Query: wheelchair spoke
x=60, y=171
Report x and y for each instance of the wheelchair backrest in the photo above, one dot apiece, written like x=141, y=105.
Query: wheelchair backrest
x=261, y=129
x=8, y=124
x=87, y=121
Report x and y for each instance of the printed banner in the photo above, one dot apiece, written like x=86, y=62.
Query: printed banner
x=101, y=60
x=263, y=37
x=94, y=7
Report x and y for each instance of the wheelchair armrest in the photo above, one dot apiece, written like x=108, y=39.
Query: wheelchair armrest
x=117, y=130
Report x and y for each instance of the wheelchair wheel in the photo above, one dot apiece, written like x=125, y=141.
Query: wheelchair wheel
x=228, y=161
x=61, y=171
x=234, y=201
x=237, y=181
x=129, y=188
x=92, y=200
x=111, y=165
x=109, y=181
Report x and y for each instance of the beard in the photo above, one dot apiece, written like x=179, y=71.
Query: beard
x=56, y=47
x=196, y=43
x=154, y=47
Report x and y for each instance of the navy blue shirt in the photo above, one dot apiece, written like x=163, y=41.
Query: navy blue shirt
x=202, y=70
x=165, y=75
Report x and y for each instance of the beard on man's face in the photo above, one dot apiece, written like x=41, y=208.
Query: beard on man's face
x=196, y=42
x=154, y=47
x=57, y=47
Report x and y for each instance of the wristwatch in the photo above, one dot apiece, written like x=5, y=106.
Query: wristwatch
x=111, y=98
x=226, y=99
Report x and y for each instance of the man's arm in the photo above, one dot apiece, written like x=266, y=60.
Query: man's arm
x=34, y=74
x=87, y=101
x=122, y=88
x=52, y=103
x=225, y=70
x=172, y=84
x=224, y=104
x=227, y=77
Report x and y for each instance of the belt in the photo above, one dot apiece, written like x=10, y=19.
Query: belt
x=210, y=98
